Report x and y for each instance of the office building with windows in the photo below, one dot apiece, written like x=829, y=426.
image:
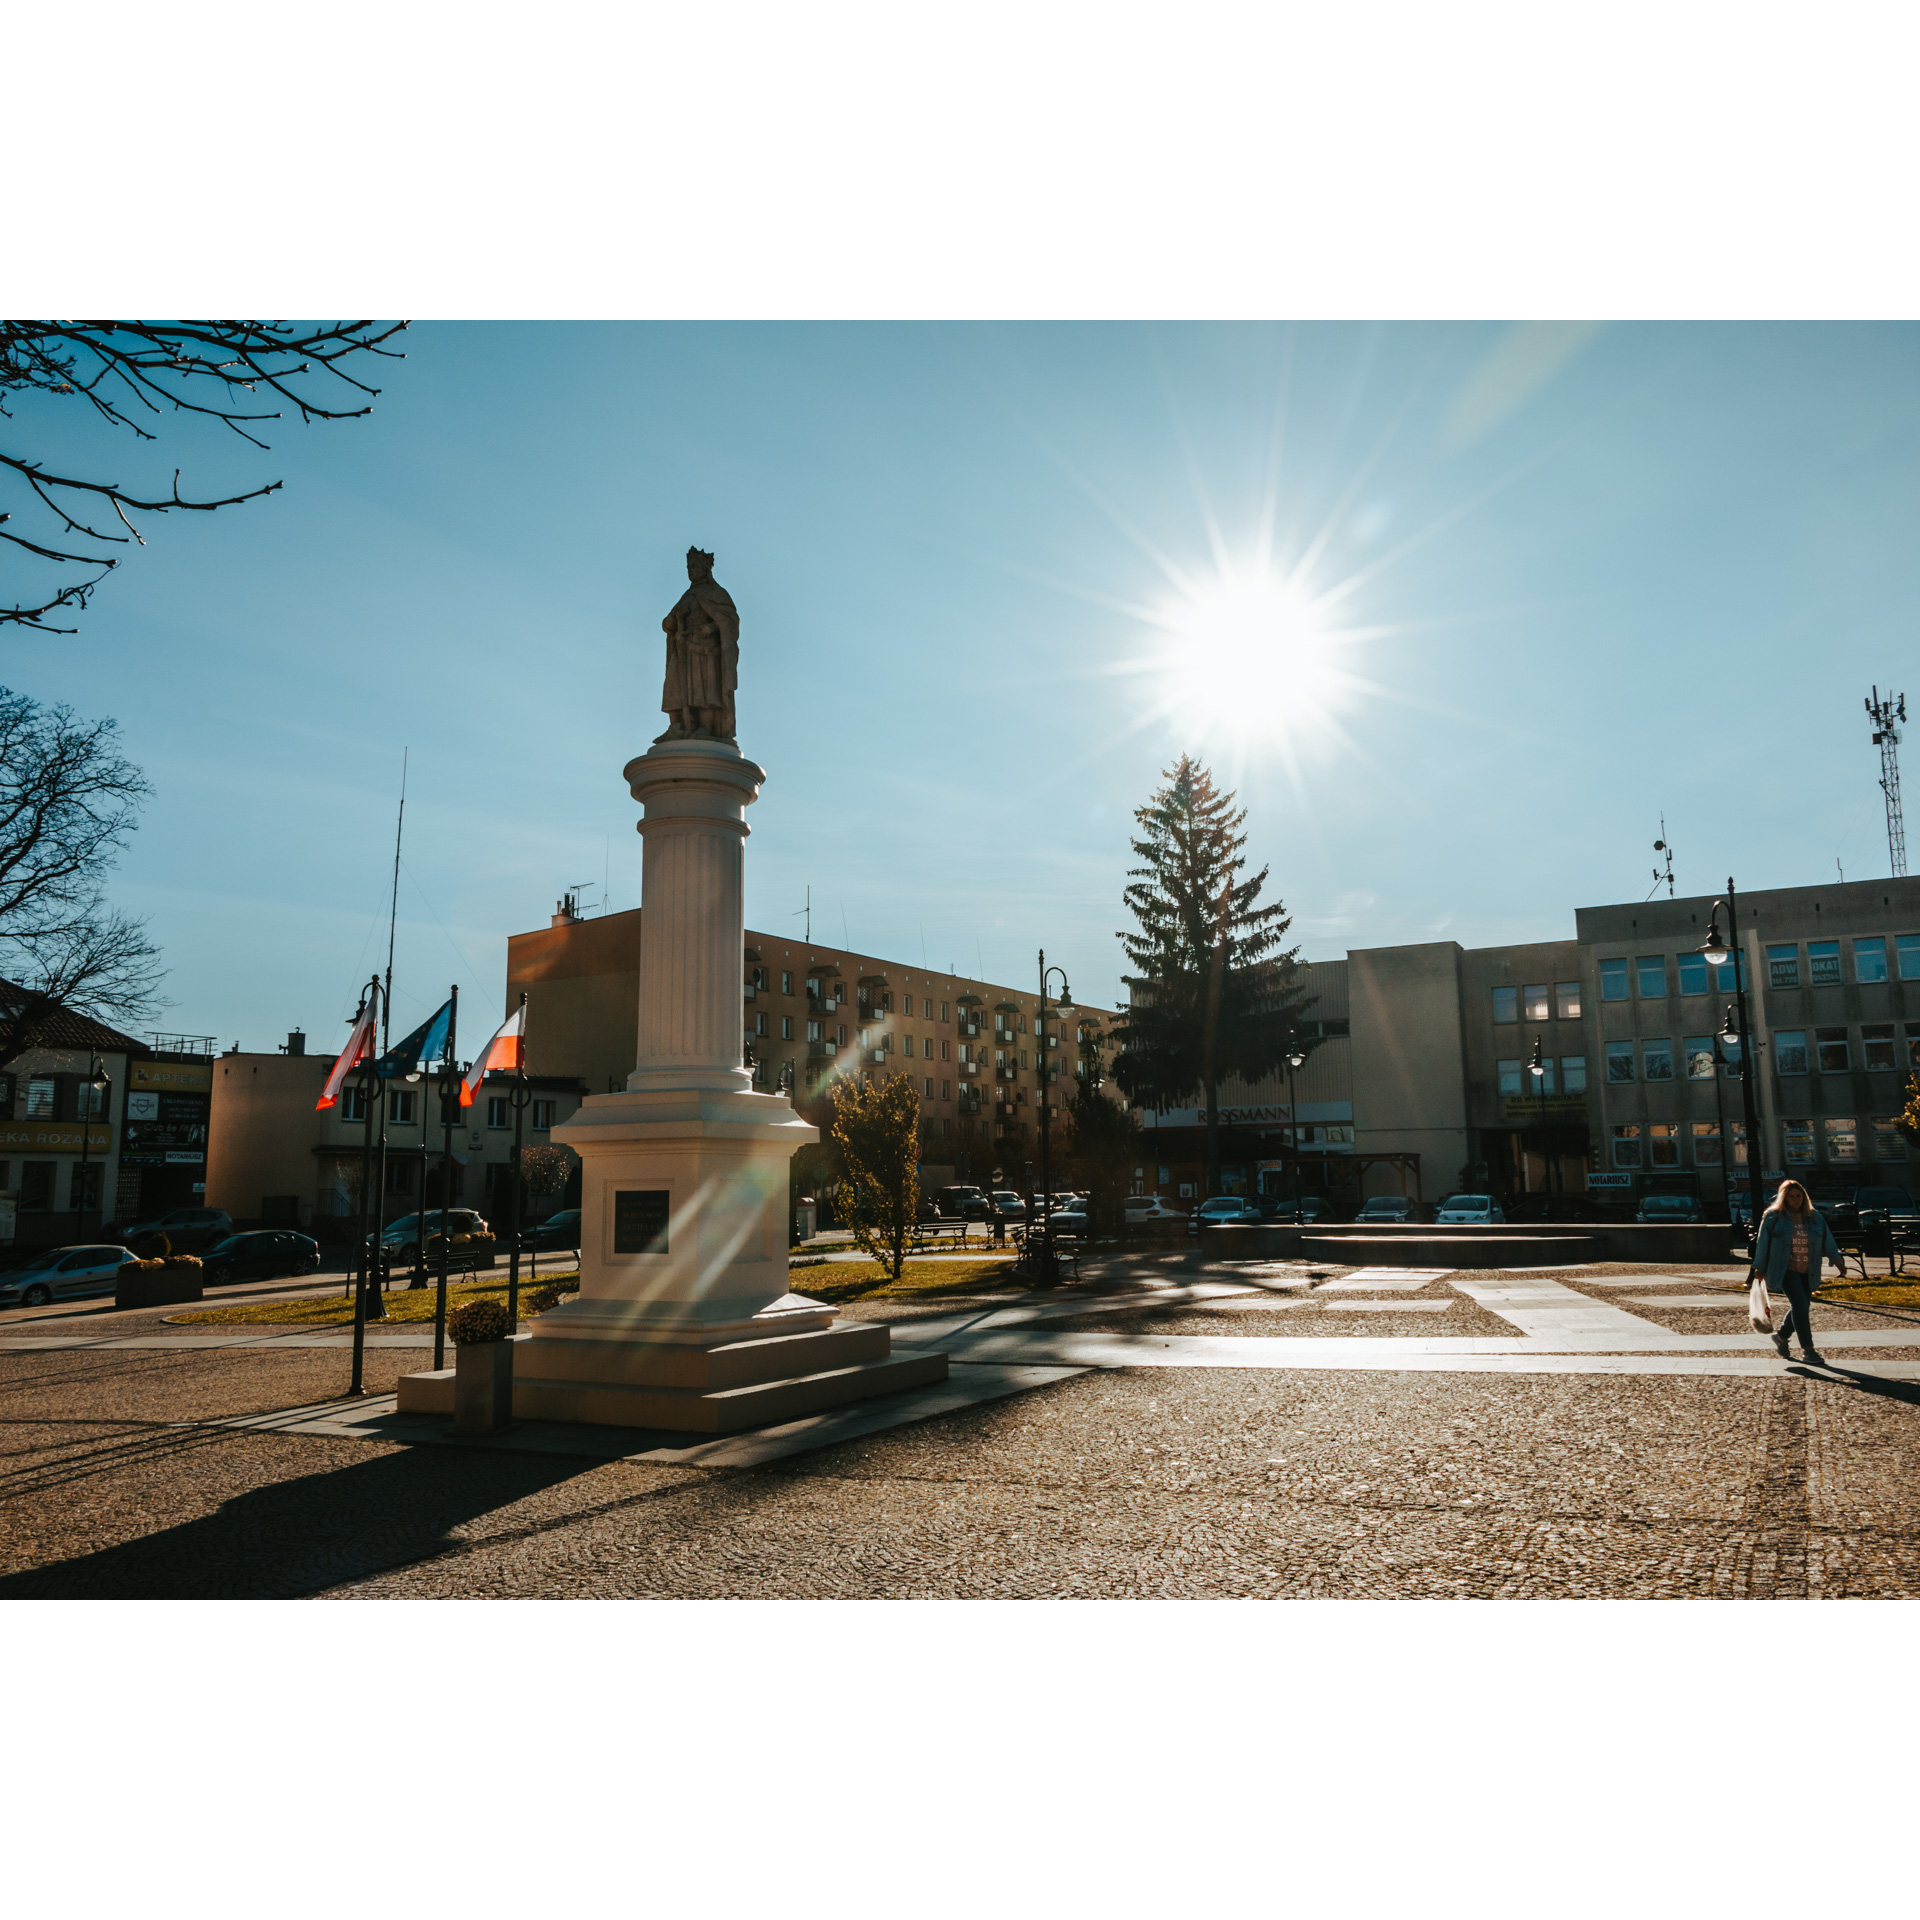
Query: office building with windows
x=1596, y=1063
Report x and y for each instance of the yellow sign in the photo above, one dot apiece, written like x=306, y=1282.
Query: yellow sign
x=171, y=1076
x=1527, y=1106
x=51, y=1136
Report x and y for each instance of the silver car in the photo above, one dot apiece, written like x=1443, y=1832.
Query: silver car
x=63, y=1273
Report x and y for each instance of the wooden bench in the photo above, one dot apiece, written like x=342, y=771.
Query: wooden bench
x=939, y=1233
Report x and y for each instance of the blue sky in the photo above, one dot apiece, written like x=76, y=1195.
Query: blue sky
x=1527, y=589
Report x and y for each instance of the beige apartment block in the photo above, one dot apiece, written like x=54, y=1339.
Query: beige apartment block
x=275, y=1160
x=810, y=1012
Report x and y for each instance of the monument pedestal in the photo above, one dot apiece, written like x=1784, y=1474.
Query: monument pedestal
x=683, y=1319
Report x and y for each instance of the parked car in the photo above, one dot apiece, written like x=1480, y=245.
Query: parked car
x=1225, y=1210
x=1469, y=1209
x=63, y=1273
x=1669, y=1209
x=259, y=1256
x=472, y=1237
x=961, y=1203
x=1069, y=1222
x=1385, y=1208
x=1009, y=1207
x=1281, y=1210
x=1145, y=1210
x=1875, y=1206
x=559, y=1232
x=188, y=1229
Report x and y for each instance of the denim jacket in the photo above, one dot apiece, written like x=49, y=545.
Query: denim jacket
x=1775, y=1244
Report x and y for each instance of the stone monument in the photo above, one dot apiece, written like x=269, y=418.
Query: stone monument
x=684, y=1319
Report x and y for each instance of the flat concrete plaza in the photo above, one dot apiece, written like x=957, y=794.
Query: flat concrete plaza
x=1159, y=1429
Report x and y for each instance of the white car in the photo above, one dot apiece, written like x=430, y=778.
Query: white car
x=1225, y=1210
x=63, y=1273
x=1143, y=1210
x=1469, y=1209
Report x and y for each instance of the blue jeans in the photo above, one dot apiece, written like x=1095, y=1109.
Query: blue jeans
x=1799, y=1318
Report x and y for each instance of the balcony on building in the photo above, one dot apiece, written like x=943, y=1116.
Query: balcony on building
x=822, y=1049
x=969, y=1007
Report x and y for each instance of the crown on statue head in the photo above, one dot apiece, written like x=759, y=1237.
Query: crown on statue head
x=695, y=553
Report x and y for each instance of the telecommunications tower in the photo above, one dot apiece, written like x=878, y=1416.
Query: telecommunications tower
x=1884, y=714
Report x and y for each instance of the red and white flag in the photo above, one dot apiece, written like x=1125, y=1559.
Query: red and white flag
x=359, y=1047
x=505, y=1052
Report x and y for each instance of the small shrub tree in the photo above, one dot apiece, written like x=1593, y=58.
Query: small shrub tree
x=1103, y=1149
x=876, y=1124
x=546, y=1170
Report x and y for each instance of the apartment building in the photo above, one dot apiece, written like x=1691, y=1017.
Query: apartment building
x=1422, y=1076
x=976, y=1051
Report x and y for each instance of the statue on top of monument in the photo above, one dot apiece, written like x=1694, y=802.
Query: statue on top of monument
x=703, y=657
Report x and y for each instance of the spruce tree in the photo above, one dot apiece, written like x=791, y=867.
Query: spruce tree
x=1213, y=993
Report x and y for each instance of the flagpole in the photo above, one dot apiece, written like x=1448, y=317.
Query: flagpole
x=376, y=1295
x=356, y=1387
x=517, y=1097
x=449, y=1099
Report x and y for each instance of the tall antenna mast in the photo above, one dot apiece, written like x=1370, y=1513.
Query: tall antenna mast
x=808, y=911
x=1883, y=714
x=393, y=911
x=1661, y=846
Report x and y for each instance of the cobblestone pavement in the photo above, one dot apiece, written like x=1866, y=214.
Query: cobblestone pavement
x=1136, y=1483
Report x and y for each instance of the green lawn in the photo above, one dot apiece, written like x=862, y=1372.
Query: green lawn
x=1872, y=1293
x=332, y=1310
x=841, y=1280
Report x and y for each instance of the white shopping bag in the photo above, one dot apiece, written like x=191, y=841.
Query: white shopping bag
x=1759, y=1310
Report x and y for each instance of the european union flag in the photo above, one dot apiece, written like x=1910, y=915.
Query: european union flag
x=425, y=1042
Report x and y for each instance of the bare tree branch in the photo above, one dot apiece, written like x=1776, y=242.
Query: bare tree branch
x=202, y=368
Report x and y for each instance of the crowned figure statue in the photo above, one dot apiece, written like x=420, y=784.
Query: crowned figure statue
x=703, y=657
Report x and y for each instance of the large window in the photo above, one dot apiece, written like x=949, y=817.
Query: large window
x=1877, y=1053
x=1830, y=1049
x=1663, y=1144
x=1506, y=1006
x=1790, y=1051
x=1843, y=1142
x=41, y=1098
x=1566, y=999
x=400, y=1106
x=1700, y=1057
x=1656, y=1059
x=542, y=1115
x=1573, y=1073
x=1732, y=974
x=1538, y=1007
x=1783, y=966
x=499, y=1111
x=786, y=1026
x=1651, y=969
x=1889, y=1143
x=1823, y=962
x=1626, y=1145
x=1870, y=960
x=1797, y=1137
x=1613, y=979
x=1619, y=1062
x=36, y=1186
x=353, y=1103
x=1706, y=1143
x=1907, y=949
x=1693, y=972
x=1913, y=1043
x=1510, y=1072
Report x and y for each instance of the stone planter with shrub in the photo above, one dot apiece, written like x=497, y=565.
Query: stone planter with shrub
x=168, y=1281
x=482, y=1367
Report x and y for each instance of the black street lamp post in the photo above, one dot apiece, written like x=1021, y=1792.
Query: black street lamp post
x=520, y=1098
x=96, y=1082
x=366, y=1228
x=1295, y=1061
x=1538, y=1068
x=1716, y=952
x=1046, y=1038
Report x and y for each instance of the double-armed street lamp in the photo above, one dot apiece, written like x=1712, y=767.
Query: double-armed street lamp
x=1296, y=1059
x=1046, y=1050
x=1716, y=951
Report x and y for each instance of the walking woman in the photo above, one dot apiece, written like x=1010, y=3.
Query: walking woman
x=1793, y=1238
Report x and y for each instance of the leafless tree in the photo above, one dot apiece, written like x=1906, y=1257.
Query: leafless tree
x=68, y=801
x=230, y=371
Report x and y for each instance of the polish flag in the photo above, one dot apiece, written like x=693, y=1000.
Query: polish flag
x=506, y=1051
x=359, y=1047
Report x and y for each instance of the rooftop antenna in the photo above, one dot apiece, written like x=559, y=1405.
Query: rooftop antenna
x=808, y=911
x=1661, y=846
x=579, y=888
x=393, y=911
x=1884, y=714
